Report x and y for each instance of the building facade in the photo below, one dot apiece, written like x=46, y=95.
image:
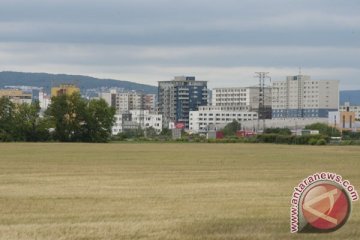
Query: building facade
x=16, y=96
x=176, y=98
x=301, y=97
x=149, y=102
x=351, y=108
x=135, y=119
x=67, y=89
x=243, y=96
x=44, y=100
x=126, y=101
x=208, y=116
x=343, y=121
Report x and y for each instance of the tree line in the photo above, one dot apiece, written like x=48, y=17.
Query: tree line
x=69, y=118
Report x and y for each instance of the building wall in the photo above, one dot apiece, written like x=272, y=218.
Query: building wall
x=135, y=119
x=205, y=117
x=149, y=102
x=44, y=100
x=16, y=96
x=351, y=108
x=67, y=89
x=301, y=97
x=343, y=121
x=124, y=102
x=243, y=96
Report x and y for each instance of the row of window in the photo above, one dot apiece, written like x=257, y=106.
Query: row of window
x=231, y=90
x=220, y=121
x=227, y=114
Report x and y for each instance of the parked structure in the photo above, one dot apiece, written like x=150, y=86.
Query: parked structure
x=301, y=97
x=180, y=96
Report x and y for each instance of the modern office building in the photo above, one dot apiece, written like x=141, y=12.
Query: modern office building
x=243, y=96
x=16, y=96
x=301, y=97
x=208, y=116
x=176, y=98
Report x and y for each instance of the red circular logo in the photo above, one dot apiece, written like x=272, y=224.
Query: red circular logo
x=326, y=207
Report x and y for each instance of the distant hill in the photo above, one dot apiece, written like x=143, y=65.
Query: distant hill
x=352, y=96
x=47, y=80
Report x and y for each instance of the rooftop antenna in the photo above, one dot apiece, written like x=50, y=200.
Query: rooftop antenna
x=299, y=71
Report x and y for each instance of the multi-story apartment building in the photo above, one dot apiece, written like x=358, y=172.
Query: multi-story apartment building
x=16, y=96
x=135, y=119
x=207, y=116
x=301, y=97
x=243, y=96
x=176, y=98
x=125, y=101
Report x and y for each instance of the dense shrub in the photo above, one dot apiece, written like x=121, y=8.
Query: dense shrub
x=321, y=142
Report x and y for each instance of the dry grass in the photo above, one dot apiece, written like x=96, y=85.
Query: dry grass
x=161, y=191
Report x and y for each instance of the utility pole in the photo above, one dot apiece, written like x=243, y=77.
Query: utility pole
x=262, y=76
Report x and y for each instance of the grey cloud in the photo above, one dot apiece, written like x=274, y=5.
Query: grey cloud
x=149, y=37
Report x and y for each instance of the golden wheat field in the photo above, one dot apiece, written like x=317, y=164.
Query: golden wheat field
x=162, y=191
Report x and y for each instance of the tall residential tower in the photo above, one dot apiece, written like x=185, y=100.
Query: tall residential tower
x=176, y=98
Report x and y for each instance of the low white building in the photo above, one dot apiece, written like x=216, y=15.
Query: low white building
x=207, y=116
x=135, y=119
x=147, y=119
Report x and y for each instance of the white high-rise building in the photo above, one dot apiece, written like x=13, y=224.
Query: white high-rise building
x=301, y=97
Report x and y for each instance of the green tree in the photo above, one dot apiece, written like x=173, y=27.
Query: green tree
x=7, y=112
x=231, y=128
x=151, y=132
x=99, y=119
x=77, y=120
x=66, y=114
x=27, y=124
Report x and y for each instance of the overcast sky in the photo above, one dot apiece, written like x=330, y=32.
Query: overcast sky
x=146, y=41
